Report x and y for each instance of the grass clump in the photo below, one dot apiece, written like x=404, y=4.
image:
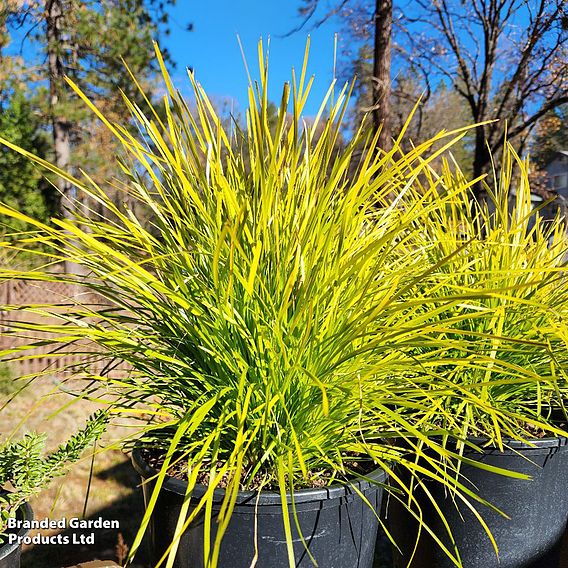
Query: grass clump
x=275, y=309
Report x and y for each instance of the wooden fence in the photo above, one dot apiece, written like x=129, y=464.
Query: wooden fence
x=45, y=357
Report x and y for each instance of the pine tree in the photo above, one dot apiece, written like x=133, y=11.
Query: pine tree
x=85, y=41
x=22, y=185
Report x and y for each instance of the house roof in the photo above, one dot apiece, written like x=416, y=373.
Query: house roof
x=555, y=156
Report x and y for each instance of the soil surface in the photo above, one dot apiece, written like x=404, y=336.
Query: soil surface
x=178, y=470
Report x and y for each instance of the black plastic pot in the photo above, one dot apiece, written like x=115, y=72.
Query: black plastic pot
x=339, y=527
x=538, y=510
x=10, y=553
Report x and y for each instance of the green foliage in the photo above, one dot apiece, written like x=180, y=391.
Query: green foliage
x=96, y=35
x=125, y=30
x=502, y=375
x=277, y=313
x=25, y=471
x=22, y=184
x=93, y=36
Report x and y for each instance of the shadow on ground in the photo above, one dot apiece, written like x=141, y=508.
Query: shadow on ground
x=128, y=511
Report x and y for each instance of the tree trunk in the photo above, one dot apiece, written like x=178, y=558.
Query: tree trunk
x=481, y=160
x=60, y=124
x=4, y=40
x=381, y=72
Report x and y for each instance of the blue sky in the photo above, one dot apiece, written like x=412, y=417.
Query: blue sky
x=213, y=51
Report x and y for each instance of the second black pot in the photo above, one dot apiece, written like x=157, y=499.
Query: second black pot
x=338, y=526
x=10, y=553
x=538, y=511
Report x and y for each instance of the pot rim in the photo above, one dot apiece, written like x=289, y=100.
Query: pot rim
x=529, y=444
x=376, y=478
x=27, y=514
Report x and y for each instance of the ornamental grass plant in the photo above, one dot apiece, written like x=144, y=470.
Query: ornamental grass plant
x=271, y=303
x=499, y=377
x=513, y=363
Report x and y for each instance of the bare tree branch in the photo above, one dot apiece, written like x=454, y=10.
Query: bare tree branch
x=512, y=72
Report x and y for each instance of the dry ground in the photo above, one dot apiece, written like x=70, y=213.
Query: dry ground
x=114, y=493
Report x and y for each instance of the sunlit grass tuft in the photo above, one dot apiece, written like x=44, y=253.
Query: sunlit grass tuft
x=278, y=304
x=504, y=371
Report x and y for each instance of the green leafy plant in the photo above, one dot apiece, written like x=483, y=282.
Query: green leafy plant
x=25, y=470
x=22, y=185
x=271, y=312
